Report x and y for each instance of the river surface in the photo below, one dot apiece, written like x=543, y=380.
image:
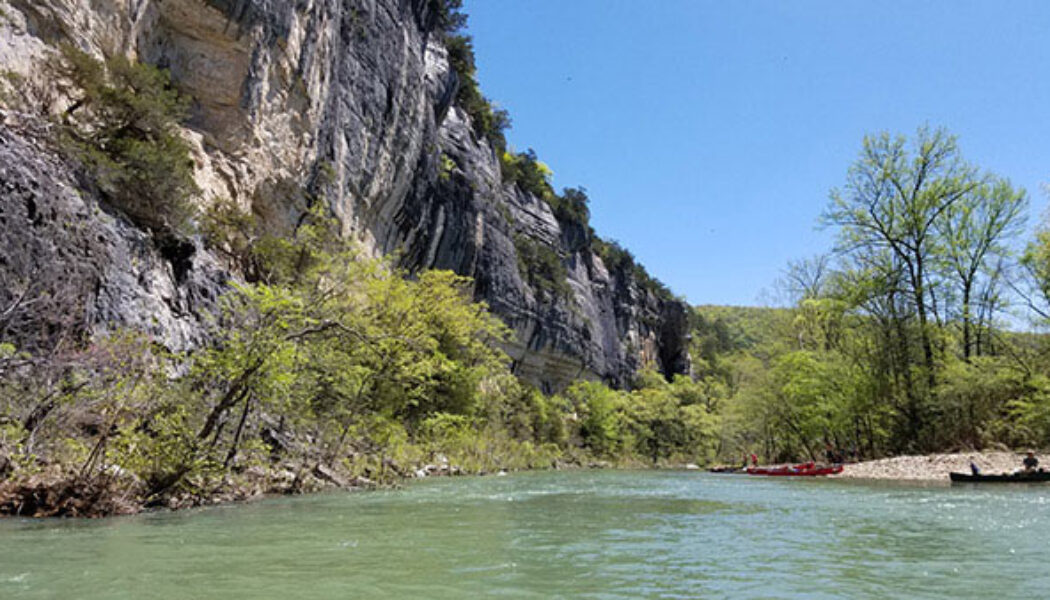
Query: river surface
x=583, y=534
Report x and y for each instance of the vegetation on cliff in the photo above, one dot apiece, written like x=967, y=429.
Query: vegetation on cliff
x=488, y=121
x=540, y=265
x=334, y=367
x=122, y=126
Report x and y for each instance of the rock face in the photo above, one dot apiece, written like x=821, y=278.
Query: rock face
x=68, y=267
x=352, y=99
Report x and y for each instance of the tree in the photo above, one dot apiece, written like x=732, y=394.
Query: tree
x=447, y=15
x=806, y=278
x=123, y=126
x=972, y=230
x=1036, y=265
x=894, y=197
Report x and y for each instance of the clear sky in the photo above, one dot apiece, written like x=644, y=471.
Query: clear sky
x=708, y=133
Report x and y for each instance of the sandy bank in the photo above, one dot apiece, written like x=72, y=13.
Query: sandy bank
x=935, y=467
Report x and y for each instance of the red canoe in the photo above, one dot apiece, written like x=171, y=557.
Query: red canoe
x=803, y=470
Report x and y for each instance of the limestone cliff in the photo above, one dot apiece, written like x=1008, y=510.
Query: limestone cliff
x=360, y=90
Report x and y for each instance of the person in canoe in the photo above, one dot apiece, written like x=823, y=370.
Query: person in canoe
x=1030, y=462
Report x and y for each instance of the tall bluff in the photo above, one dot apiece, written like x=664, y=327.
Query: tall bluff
x=353, y=100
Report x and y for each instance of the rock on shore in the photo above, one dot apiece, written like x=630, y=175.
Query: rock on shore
x=933, y=467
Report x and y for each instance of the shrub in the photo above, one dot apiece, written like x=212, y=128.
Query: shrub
x=542, y=268
x=487, y=121
x=619, y=259
x=600, y=411
x=527, y=172
x=446, y=168
x=447, y=16
x=122, y=126
x=571, y=206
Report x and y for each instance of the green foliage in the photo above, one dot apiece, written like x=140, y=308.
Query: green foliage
x=973, y=233
x=1026, y=421
x=656, y=421
x=346, y=350
x=331, y=360
x=263, y=252
x=618, y=259
x=488, y=122
x=599, y=409
x=988, y=400
x=526, y=171
x=571, y=206
x=236, y=234
x=1036, y=264
x=911, y=218
x=122, y=126
x=533, y=176
x=892, y=346
x=844, y=367
x=448, y=166
x=447, y=16
x=542, y=268
x=615, y=256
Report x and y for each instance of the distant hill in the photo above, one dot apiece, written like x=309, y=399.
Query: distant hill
x=724, y=329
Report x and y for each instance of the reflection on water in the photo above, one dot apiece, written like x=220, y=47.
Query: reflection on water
x=565, y=534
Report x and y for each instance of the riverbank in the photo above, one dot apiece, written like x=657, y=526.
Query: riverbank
x=932, y=467
x=57, y=492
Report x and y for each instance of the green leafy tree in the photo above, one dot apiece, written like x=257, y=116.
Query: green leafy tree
x=887, y=215
x=893, y=200
x=974, y=230
x=598, y=408
x=123, y=125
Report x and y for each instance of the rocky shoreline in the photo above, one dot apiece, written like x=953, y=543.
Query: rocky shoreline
x=51, y=494
x=59, y=493
x=932, y=467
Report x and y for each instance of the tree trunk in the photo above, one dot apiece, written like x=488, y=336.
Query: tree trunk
x=233, y=395
x=966, y=321
x=237, y=435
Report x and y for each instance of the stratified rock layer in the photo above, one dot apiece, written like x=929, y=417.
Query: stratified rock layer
x=350, y=99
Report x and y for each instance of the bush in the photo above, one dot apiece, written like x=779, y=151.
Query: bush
x=659, y=420
x=599, y=408
x=447, y=16
x=528, y=173
x=542, y=268
x=488, y=122
x=122, y=126
x=619, y=259
x=571, y=206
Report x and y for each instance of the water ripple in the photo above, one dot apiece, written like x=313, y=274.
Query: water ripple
x=606, y=534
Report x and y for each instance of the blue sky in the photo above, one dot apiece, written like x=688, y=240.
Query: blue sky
x=708, y=133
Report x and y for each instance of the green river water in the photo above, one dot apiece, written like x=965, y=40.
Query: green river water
x=583, y=534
